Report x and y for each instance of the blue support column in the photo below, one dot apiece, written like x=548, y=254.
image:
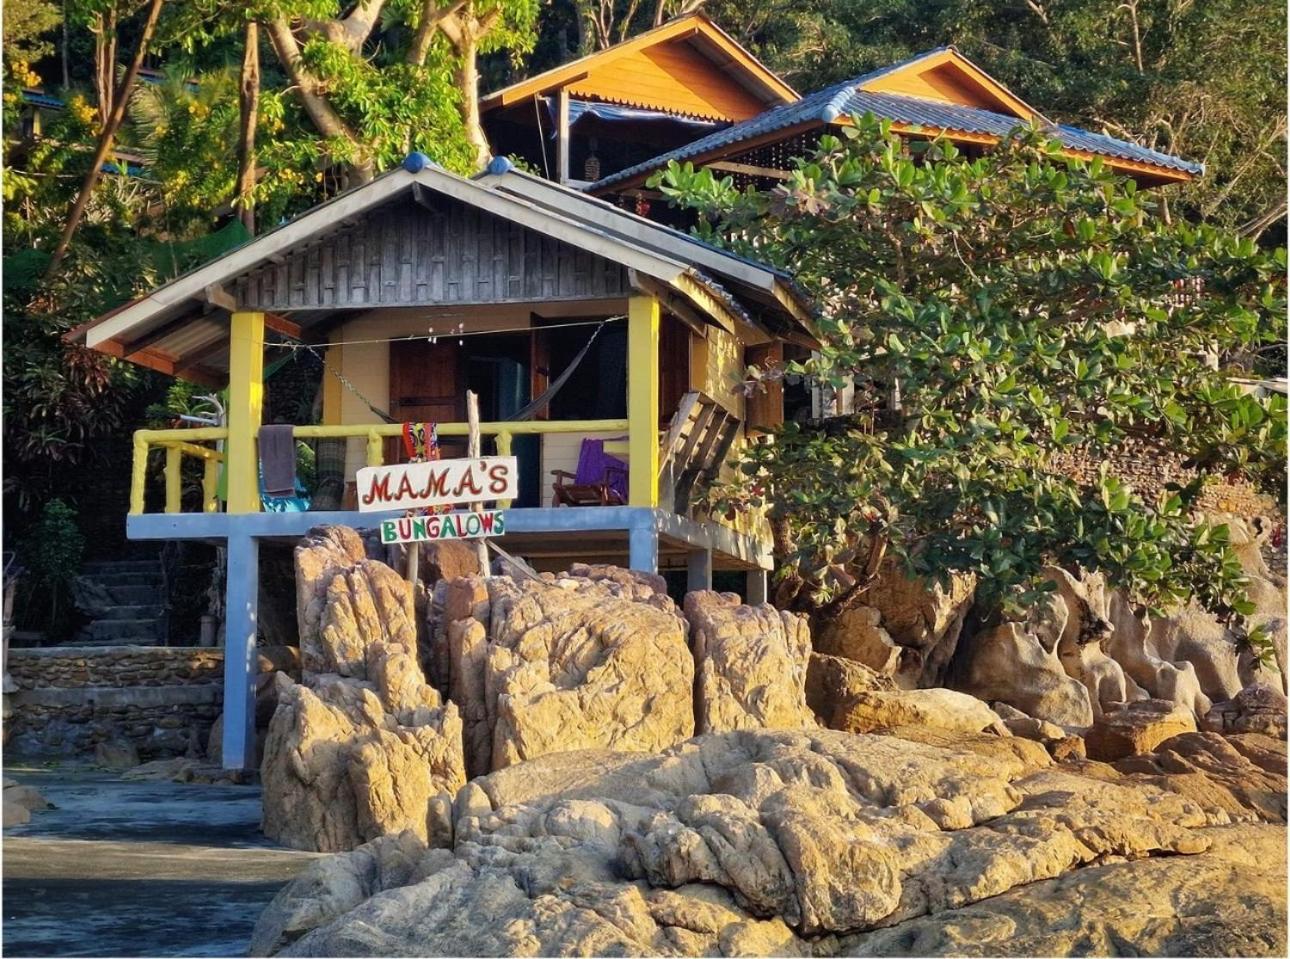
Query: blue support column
x=242, y=586
x=756, y=589
x=642, y=547
x=698, y=570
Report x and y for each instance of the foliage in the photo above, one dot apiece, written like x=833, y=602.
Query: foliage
x=27, y=24
x=1202, y=80
x=51, y=555
x=1022, y=306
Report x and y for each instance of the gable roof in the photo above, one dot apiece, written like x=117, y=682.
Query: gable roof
x=688, y=66
x=174, y=321
x=885, y=94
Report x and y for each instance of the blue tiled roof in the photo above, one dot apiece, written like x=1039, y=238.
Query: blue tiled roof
x=824, y=106
x=36, y=98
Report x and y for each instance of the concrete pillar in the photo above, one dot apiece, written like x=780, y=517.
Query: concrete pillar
x=242, y=595
x=642, y=548
x=756, y=590
x=698, y=570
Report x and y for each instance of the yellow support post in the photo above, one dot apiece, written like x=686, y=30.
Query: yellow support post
x=642, y=400
x=245, y=402
x=375, y=450
x=174, y=479
x=332, y=397
x=210, y=485
x=504, y=449
x=138, y=475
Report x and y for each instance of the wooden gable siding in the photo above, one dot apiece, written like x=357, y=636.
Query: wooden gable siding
x=672, y=77
x=407, y=255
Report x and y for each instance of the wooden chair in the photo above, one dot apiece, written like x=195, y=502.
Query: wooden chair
x=601, y=479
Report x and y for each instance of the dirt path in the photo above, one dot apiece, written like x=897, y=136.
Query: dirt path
x=137, y=869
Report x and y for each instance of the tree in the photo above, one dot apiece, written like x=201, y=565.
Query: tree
x=995, y=314
x=1204, y=80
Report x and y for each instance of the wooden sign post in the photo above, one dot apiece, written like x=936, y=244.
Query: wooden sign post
x=474, y=450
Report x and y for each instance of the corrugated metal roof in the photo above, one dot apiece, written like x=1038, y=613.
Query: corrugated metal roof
x=845, y=98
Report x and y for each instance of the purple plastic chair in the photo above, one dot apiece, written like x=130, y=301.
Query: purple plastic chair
x=601, y=479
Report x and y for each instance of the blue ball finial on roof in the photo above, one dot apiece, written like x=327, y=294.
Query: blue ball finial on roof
x=416, y=162
x=499, y=165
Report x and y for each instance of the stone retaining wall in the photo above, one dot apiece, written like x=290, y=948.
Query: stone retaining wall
x=163, y=700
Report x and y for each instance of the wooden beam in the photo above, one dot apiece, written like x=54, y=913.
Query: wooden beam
x=280, y=324
x=730, y=166
x=245, y=402
x=217, y=296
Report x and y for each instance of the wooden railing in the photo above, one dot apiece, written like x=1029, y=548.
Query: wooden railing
x=179, y=443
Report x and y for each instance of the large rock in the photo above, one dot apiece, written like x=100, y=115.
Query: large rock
x=20, y=801
x=741, y=843
x=751, y=663
x=345, y=763
x=1258, y=708
x=1243, y=775
x=924, y=618
x=856, y=634
x=324, y=552
x=940, y=708
x=1133, y=729
x=1010, y=664
x=833, y=680
x=579, y=663
x=1227, y=901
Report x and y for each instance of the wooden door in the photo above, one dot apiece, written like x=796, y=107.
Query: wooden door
x=427, y=385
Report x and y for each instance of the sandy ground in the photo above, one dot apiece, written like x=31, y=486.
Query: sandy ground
x=136, y=869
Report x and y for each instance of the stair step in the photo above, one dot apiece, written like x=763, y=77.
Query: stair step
x=141, y=611
x=122, y=630
x=122, y=566
x=127, y=578
x=135, y=595
x=136, y=641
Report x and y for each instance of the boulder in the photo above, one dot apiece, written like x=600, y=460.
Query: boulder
x=1132, y=729
x=746, y=843
x=1011, y=664
x=340, y=768
x=926, y=619
x=855, y=634
x=116, y=754
x=939, y=708
x=365, y=604
x=1227, y=901
x=833, y=680
x=1129, y=646
x=1243, y=776
x=751, y=663
x=578, y=663
x=324, y=552
x=20, y=801
x=1258, y=708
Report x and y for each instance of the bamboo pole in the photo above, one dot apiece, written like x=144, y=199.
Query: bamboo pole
x=474, y=451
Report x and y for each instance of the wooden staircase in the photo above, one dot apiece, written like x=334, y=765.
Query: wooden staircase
x=695, y=446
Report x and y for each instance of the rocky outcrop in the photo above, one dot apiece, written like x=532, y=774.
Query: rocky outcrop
x=1243, y=775
x=745, y=843
x=1010, y=664
x=925, y=619
x=938, y=708
x=856, y=634
x=20, y=801
x=751, y=663
x=1156, y=907
x=1132, y=729
x=363, y=747
x=832, y=680
x=1258, y=708
x=585, y=663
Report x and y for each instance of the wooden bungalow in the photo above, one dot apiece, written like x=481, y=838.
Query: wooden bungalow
x=421, y=285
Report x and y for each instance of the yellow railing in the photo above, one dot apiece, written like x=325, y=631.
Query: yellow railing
x=179, y=443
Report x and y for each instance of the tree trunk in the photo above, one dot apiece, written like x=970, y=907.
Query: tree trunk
x=468, y=84
x=105, y=63
x=249, y=102
x=119, y=100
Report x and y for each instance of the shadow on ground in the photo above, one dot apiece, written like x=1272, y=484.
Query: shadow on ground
x=137, y=869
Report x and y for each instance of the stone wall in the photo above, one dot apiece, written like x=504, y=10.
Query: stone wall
x=161, y=699
x=1148, y=469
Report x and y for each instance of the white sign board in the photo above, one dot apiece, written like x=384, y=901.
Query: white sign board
x=437, y=483
x=441, y=526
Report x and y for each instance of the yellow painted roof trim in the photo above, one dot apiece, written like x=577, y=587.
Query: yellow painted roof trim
x=776, y=90
x=886, y=83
